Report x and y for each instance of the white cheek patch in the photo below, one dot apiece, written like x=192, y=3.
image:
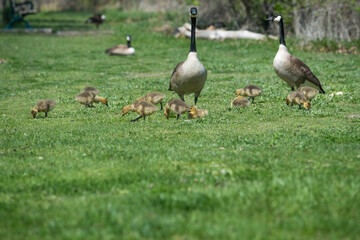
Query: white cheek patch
x=127, y=38
x=277, y=19
x=103, y=17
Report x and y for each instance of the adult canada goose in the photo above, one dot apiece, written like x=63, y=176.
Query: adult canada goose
x=250, y=91
x=45, y=105
x=86, y=98
x=239, y=101
x=296, y=97
x=189, y=76
x=176, y=106
x=96, y=19
x=309, y=92
x=197, y=113
x=289, y=68
x=142, y=107
x=122, y=49
x=154, y=98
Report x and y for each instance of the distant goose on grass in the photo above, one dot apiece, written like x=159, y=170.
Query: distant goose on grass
x=189, y=76
x=96, y=19
x=289, y=68
x=45, y=105
x=154, y=98
x=250, y=91
x=176, y=106
x=122, y=49
x=142, y=107
x=97, y=98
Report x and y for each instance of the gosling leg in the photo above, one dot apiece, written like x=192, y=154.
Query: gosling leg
x=161, y=106
x=46, y=114
x=292, y=88
x=134, y=120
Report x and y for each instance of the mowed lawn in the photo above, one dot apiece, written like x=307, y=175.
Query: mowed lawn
x=265, y=172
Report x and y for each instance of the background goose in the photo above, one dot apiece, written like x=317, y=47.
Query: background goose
x=96, y=19
x=289, y=68
x=189, y=76
x=250, y=91
x=45, y=105
x=122, y=49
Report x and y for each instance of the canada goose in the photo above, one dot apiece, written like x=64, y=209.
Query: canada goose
x=309, y=92
x=86, y=98
x=239, y=101
x=122, y=49
x=154, y=98
x=296, y=97
x=289, y=68
x=96, y=19
x=197, y=113
x=142, y=107
x=250, y=91
x=45, y=105
x=176, y=106
x=91, y=89
x=189, y=76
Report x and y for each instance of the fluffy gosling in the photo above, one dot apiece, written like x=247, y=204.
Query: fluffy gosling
x=154, y=98
x=239, y=101
x=197, y=113
x=45, y=105
x=97, y=99
x=142, y=107
x=250, y=91
x=86, y=98
x=298, y=98
x=309, y=92
x=176, y=106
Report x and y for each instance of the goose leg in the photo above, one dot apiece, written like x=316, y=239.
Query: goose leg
x=178, y=117
x=46, y=114
x=292, y=89
x=183, y=99
x=196, y=99
x=134, y=120
x=144, y=118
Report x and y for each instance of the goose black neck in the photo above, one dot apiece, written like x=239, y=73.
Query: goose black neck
x=193, y=27
x=281, y=32
x=128, y=43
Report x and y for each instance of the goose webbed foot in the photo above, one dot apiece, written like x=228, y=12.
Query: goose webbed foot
x=134, y=120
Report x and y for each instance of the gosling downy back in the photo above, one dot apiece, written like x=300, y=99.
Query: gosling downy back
x=45, y=105
x=197, y=113
x=176, y=106
x=309, y=92
x=289, y=68
x=189, y=76
x=86, y=98
x=239, y=101
x=121, y=49
x=142, y=107
x=93, y=90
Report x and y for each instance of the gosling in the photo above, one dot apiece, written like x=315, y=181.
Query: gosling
x=86, y=98
x=142, y=107
x=309, y=92
x=97, y=99
x=250, y=91
x=154, y=98
x=95, y=91
x=298, y=98
x=103, y=100
x=176, y=106
x=197, y=113
x=239, y=101
x=45, y=105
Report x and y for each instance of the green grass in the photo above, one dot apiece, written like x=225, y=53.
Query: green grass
x=265, y=172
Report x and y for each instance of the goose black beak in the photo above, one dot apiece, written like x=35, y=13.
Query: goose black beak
x=270, y=18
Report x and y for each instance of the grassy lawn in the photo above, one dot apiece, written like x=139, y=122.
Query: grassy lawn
x=265, y=172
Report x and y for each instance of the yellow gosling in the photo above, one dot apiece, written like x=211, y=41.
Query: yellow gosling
x=86, y=98
x=154, y=98
x=103, y=100
x=197, y=113
x=45, y=105
x=239, y=101
x=176, y=106
x=142, y=107
x=309, y=92
x=296, y=97
x=250, y=91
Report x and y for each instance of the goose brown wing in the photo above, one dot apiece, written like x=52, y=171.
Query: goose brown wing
x=174, y=73
x=117, y=47
x=306, y=72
